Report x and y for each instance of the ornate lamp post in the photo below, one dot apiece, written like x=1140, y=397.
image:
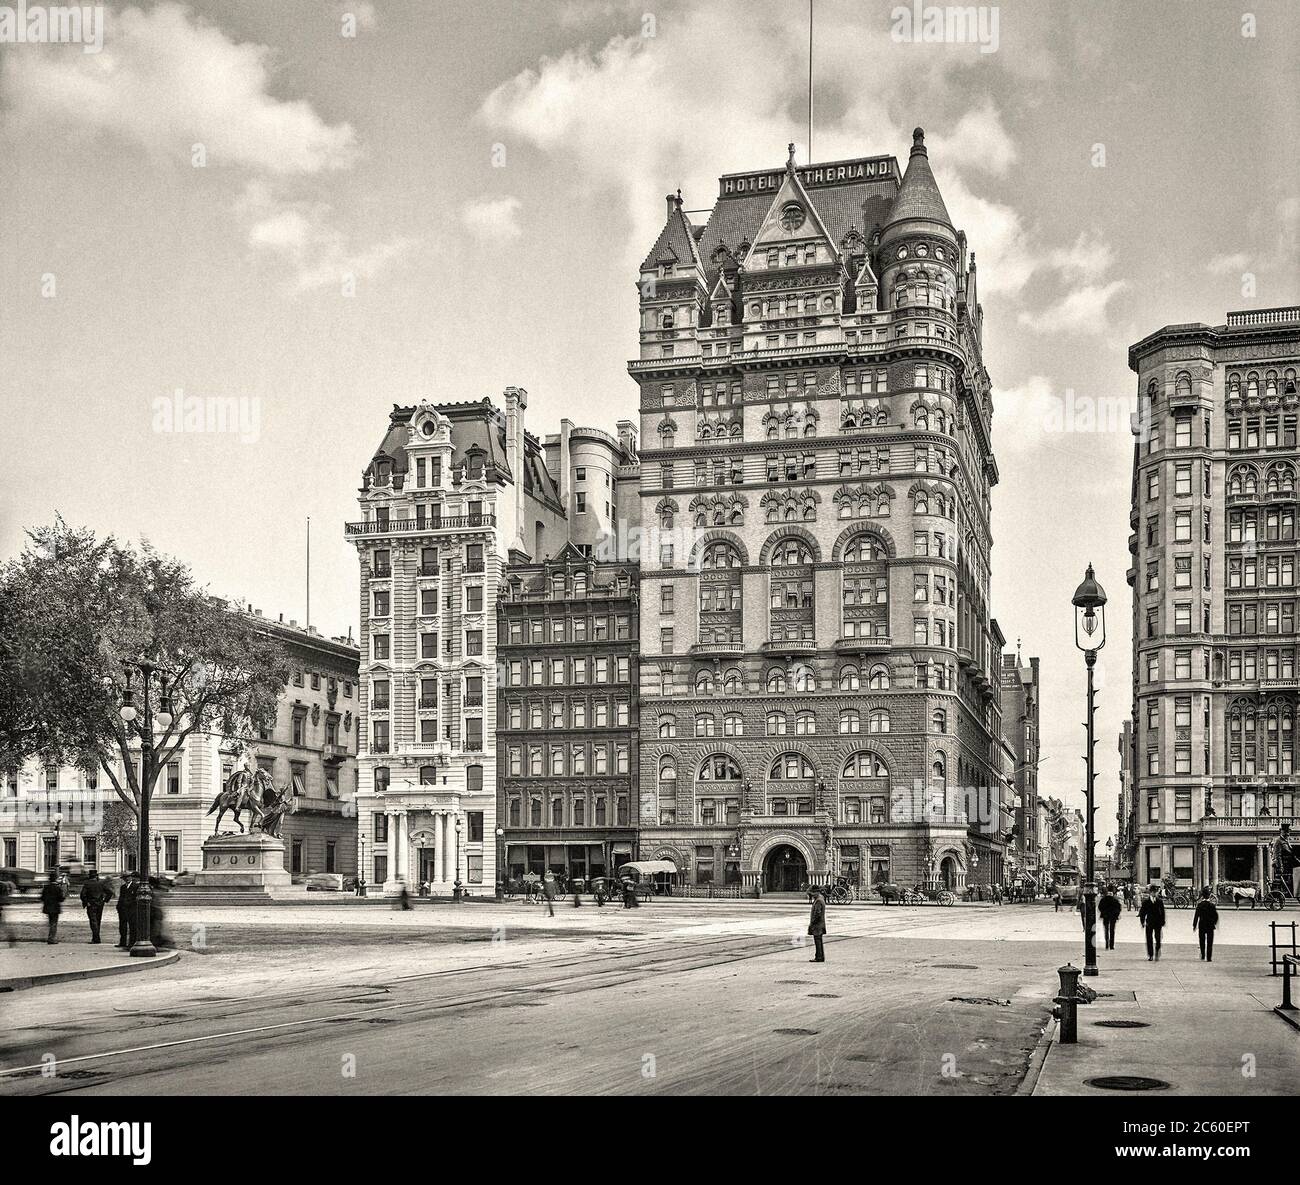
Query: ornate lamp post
x=58, y=842
x=143, y=947
x=1089, y=636
x=361, y=861
x=455, y=891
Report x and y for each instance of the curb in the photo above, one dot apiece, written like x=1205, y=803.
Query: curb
x=1037, y=1059
x=19, y=983
x=1291, y=1018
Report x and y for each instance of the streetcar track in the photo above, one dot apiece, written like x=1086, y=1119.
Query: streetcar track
x=416, y=1010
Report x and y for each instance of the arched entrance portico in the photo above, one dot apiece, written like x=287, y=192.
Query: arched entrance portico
x=785, y=870
x=948, y=872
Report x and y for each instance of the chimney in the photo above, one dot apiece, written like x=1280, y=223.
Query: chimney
x=566, y=477
x=671, y=199
x=516, y=455
x=627, y=438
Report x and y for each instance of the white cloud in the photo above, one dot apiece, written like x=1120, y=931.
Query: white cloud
x=303, y=235
x=493, y=220
x=168, y=80
x=1081, y=310
x=1088, y=258
x=1228, y=265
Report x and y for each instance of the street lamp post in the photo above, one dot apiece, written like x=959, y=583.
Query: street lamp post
x=143, y=947
x=501, y=862
x=58, y=842
x=455, y=889
x=361, y=862
x=1089, y=636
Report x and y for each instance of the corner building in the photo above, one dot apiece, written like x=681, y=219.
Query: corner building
x=1214, y=763
x=454, y=497
x=820, y=672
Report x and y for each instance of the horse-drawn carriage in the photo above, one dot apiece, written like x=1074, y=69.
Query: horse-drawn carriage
x=917, y=895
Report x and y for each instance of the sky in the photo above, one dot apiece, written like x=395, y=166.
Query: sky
x=302, y=213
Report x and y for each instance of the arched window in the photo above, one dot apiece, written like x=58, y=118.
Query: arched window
x=922, y=420
x=791, y=767
x=939, y=719
x=704, y=683
x=731, y=682
x=720, y=593
x=718, y=768
x=667, y=727
x=878, y=720
x=865, y=549
x=1183, y=383
x=878, y=680
x=864, y=765
x=776, y=724
x=791, y=589
x=803, y=679
x=704, y=724
x=849, y=680
x=667, y=779
x=733, y=725
x=939, y=773
x=805, y=724
x=850, y=721
x=776, y=679
x=922, y=502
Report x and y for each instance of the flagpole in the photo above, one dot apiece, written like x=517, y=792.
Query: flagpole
x=810, y=80
x=309, y=571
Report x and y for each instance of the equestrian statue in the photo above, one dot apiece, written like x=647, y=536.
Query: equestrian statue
x=251, y=789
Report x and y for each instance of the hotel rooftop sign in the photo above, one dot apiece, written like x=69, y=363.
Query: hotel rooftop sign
x=840, y=172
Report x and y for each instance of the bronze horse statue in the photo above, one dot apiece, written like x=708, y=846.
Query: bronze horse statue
x=252, y=790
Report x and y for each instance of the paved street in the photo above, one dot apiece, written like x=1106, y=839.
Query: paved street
x=681, y=997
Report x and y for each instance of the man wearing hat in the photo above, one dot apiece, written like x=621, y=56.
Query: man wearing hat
x=817, y=925
x=1152, y=916
x=95, y=894
x=126, y=912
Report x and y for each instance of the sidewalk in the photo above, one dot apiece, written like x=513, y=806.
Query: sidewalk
x=34, y=964
x=1211, y=1028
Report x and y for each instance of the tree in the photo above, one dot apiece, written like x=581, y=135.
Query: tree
x=75, y=612
x=118, y=831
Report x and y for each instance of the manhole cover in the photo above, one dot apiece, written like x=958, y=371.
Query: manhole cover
x=1121, y=1024
x=796, y=1032
x=1126, y=1082
x=980, y=1000
x=955, y=967
x=822, y=996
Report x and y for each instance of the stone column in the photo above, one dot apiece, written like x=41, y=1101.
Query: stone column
x=437, y=847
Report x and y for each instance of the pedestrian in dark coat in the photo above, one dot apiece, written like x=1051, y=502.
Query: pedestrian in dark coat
x=5, y=891
x=95, y=894
x=126, y=913
x=1205, y=921
x=52, y=906
x=1056, y=900
x=817, y=925
x=548, y=892
x=1152, y=916
x=1109, y=907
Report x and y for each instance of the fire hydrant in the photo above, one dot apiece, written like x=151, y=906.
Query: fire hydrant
x=1067, y=1004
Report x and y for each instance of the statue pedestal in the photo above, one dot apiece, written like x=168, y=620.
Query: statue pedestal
x=242, y=862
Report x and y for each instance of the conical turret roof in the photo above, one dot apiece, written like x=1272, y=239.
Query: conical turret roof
x=918, y=195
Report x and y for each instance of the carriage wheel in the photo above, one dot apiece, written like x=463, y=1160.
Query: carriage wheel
x=1275, y=900
x=946, y=898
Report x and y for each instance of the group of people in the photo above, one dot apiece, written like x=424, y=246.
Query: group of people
x=1151, y=915
x=97, y=893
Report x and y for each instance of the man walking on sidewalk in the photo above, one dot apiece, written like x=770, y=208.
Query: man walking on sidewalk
x=1152, y=916
x=1110, y=908
x=95, y=894
x=126, y=912
x=52, y=906
x=1205, y=921
x=548, y=892
x=817, y=925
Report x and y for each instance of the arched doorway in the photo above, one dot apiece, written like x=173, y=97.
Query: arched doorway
x=948, y=873
x=785, y=870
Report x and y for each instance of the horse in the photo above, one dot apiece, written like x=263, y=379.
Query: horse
x=250, y=790
x=1240, y=894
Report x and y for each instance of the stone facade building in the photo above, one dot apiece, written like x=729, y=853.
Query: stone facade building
x=1215, y=552
x=1020, y=717
x=567, y=646
x=820, y=675
x=311, y=749
x=455, y=494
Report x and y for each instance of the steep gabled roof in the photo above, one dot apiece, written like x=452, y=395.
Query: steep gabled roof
x=677, y=240
x=918, y=195
x=772, y=230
